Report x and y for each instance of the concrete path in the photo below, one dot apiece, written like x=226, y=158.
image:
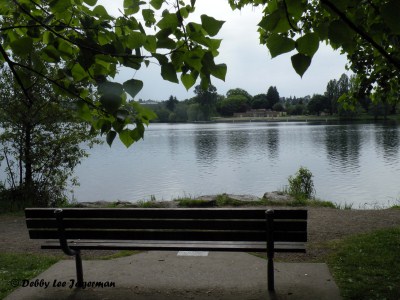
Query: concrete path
x=165, y=275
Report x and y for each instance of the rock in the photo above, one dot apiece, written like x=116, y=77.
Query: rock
x=277, y=196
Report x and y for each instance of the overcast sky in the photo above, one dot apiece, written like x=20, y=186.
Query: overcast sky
x=250, y=66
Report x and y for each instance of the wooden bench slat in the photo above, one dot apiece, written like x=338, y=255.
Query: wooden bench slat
x=172, y=213
x=179, y=245
x=298, y=236
x=223, y=224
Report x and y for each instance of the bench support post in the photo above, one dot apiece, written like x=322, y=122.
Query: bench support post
x=270, y=249
x=67, y=250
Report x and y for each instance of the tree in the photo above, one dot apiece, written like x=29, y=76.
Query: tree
x=332, y=93
x=272, y=97
x=171, y=103
x=41, y=141
x=240, y=92
x=90, y=45
x=207, y=99
x=233, y=104
x=318, y=104
x=259, y=101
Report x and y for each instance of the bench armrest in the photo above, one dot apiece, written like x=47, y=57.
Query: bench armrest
x=61, y=231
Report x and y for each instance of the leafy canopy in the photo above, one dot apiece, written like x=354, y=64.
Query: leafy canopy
x=368, y=32
x=90, y=45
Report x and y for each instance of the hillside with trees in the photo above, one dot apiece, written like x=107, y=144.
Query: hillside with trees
x=208, y=105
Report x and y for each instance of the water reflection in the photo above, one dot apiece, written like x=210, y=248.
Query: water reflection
x=273, y=143
x=173, y=142
x=206, y=145
x=387, y=140
x=267, y=142
x=238, y=142
x=343, y=147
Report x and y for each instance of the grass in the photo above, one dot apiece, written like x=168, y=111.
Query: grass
x=367, y=266
x=16, y=267
x=222, y=200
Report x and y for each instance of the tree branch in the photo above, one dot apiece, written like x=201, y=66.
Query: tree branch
x=362, y=33
x=80, y=45
x=11, y=64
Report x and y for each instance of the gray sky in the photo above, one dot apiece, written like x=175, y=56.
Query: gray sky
x=250, y=66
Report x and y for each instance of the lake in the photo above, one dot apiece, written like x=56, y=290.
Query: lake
x=352, y=164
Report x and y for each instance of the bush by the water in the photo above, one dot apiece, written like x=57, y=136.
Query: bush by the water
x=301, y=185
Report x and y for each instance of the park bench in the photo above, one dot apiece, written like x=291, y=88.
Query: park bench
x=190, y=229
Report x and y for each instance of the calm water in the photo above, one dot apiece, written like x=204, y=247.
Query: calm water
x=355, y=164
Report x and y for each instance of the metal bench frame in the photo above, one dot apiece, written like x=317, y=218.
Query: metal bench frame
x=203, y=229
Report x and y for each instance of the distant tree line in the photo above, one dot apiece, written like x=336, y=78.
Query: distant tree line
x=207, y=104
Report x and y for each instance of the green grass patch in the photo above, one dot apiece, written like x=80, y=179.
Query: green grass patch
x=367, y=266
x=222, y=200
x=15, y=267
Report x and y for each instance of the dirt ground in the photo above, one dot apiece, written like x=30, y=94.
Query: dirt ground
x=325, y=224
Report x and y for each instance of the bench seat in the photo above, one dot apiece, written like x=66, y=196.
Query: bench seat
x=177, y=245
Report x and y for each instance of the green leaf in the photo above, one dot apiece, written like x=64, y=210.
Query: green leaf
x=90, y=2
x=148, y=16
x=111, y=103
x=101, y=12
x=300, y=63
x=22, y=47
x=211, y=25
x=278, y=44
x=166, y=43
x=150, y=44
x=110, y=88
x=78, y=73
x=156, y=3
x=65, y=49
x=219, y=71
x=295, y=7
x=84, y=112
x=110, y=137
x=188, y=80
x=126, y=138
x=308, y=44
x=275, y=22
x=133, y=87
x=390, y=14
x=193, y=59
x=169, y=21
x=340, y=35
x=131, y=7
x=60, y=6
x=168, y=72
x=48, y=37
x=135, y=39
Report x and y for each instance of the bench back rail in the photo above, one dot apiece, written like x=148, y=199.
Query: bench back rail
x=229, y=225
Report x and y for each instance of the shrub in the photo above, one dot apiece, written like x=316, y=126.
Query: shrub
x=301, y=185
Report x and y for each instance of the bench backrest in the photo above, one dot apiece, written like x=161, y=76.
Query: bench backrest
x=179, y=224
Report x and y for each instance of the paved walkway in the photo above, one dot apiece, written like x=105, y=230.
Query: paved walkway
x=166, y=275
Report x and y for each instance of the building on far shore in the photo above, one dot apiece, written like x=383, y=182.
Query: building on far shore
x=260, y=113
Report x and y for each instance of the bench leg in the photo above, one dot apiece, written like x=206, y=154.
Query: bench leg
x=271, y=280
x=79, y=270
